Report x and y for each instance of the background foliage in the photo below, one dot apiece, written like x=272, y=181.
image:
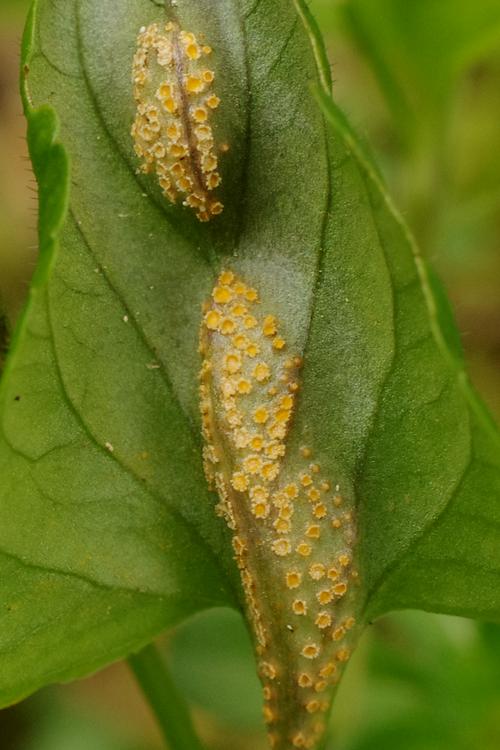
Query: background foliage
x=421, y=81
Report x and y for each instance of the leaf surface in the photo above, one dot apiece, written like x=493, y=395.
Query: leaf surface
x=107, y=529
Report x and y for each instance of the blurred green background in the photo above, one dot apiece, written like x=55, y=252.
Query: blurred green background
x=420, y=79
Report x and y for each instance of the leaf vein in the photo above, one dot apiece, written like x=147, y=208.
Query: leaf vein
x=52, y=570
x=162, y=500
x=139, y=331
x=392, y=568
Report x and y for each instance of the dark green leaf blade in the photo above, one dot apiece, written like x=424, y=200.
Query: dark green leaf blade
x=104, y=509
x=106, y=357
x=428, y=481
x=80, y=589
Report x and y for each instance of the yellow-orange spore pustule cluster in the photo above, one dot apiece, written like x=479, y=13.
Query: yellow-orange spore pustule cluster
x=175, y=99
x=293, y=529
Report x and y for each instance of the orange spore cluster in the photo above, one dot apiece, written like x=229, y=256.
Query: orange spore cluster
x=295, y=561
x=172, y=132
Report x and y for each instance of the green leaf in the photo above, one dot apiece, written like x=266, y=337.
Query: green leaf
x=428, y=474
x=107, y=530
x=4, y=337
x=108, y=533
x=211, y=657
x=432, y=678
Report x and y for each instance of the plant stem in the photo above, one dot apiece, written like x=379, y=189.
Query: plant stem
x=167, y=704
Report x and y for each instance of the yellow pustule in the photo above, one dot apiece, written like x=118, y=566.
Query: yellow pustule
x=172, y=133
x=293, y=529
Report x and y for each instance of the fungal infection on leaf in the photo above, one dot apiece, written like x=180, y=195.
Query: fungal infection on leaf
x=173, y=137
x=296, y=563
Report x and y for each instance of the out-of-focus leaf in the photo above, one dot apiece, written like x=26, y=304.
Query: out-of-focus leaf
x=432, y=679
x=211, y=657
x=55, y=725
x=417, y=49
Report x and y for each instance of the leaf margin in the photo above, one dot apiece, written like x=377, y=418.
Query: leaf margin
x=439, y=312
